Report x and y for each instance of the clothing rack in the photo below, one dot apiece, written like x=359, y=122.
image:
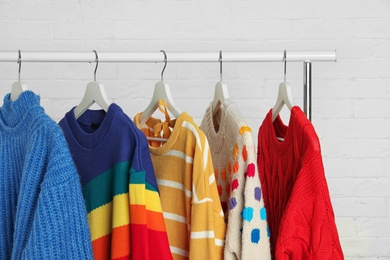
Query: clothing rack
x=307, y=57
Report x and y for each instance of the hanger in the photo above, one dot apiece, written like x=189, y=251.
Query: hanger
x=94, y=93
x=285, y=96
x=18, y=87
x=221, y=92
x=163, y=92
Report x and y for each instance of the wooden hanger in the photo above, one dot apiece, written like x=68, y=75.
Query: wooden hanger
x=163, y=92
x=94, y=93
x=285, y=96
x=221, y=92
x=18, y=87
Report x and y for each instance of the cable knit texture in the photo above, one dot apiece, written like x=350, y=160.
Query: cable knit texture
x=119, y=185
x=234, y=161
x=189, y=196
x=300, y=214
x=43, y=215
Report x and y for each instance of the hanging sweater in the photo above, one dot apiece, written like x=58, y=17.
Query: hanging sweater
x=234, y=161
x=299, y=210
x=189, y=196
x=119, y=186
x=43, y=214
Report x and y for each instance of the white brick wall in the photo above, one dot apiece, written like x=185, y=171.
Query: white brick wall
x=351, y=98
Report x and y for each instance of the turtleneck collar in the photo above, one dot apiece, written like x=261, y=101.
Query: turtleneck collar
x=14, y=113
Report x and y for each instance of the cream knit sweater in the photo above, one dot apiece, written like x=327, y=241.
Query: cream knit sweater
x=234, y=161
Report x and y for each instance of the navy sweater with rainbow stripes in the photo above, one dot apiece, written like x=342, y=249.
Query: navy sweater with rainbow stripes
x=119, y=185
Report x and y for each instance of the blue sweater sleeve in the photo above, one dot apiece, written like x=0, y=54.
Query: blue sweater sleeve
x=60, y=227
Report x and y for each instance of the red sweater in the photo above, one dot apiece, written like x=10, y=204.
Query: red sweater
x=296, y=196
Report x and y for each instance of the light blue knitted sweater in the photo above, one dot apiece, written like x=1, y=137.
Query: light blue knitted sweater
x=43, y=214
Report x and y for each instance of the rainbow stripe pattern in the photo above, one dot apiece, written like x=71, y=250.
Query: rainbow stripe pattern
x=120, y=207
x=119, y=186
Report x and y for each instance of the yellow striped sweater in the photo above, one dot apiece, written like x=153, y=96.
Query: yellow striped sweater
x=189, y=197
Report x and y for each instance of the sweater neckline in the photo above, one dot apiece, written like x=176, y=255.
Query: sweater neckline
x=217, y=138
x=15, y=114
x=279, y=129
x=172, y=138
x=89, y=117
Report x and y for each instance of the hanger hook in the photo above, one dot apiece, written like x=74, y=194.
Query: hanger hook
x=220, y=65
x=165, y=64
x=285, y=64
x=20, y=64
x=97, y=63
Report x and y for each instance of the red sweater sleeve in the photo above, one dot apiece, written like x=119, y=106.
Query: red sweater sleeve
x=308, y=229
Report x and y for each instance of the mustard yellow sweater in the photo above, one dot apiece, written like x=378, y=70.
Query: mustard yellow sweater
x=189, y=197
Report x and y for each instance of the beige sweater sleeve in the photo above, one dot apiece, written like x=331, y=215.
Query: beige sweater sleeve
x=247, y=235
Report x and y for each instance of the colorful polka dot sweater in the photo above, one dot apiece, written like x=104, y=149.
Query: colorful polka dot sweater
x=119, y=185
x=234, y=160
x=300, y=214
x=189, y=196
x=42, y=211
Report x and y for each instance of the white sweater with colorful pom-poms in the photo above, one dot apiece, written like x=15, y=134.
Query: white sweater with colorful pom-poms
x=234, y=160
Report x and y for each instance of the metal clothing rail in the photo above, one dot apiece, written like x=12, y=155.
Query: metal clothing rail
x=49, y=56
x=307, y=57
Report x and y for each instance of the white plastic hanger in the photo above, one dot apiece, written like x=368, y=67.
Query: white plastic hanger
x=285, y=96
x=94, y=93
x=161, y=91
x=221, y=92
x=18, y=87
